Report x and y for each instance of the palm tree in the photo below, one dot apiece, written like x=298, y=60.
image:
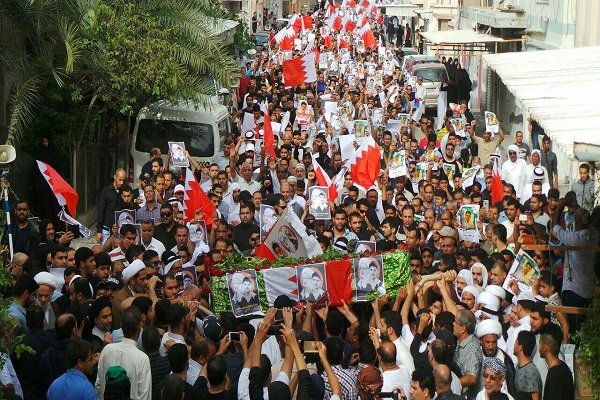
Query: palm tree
x=38, y=44
x=119, y=53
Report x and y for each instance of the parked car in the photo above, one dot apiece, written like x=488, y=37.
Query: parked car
x=260, y=38
x=432, y=74
x=410, y=51
x=410, y=61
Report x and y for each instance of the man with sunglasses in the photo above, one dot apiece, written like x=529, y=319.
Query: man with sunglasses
x=165, y=231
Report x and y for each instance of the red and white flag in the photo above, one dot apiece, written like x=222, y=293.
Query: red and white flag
x=324, y=180
x=307, y=22
x=367, y=35
x=365, y=164
x=348, y=24
x=65, y=194
x=497, y=187
x=300, y=70
x=327, y=42
x=285, y=38
x=335, y=23
x=329, y=9
x=195, y=199
x=269, y=138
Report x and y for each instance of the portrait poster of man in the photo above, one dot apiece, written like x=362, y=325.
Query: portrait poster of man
x=243, y=293
x=285, y=239
x=189, y=276
x=468, y=216
x=361, y=128
x=404, y=119
x=124, y=217
x=363, y=246
x=469, y=175
x=319, y=207
x=377, y=116
x=449, y=170
x=524, y=270
x=491, y=122
x=398, y=164
x=368, y=275
x=268, y=218
x=312, y=284
x=421, y=171
x=198, y=232
x=393, y=125
x=178, y=157
x=459, y=126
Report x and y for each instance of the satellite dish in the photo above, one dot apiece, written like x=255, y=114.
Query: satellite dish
x=7, y=154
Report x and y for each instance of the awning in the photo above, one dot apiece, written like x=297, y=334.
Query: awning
x=399, y=10
x=224, y=30
x=560, y=89
x=465, y=36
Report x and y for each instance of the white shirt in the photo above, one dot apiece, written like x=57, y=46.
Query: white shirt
x=513, y=332
x=481, y=395
x=251, y=186
x=403, y=356
x=244, y=384
x=397, y=378
x=155, y=245
x=169, y=335
x=134, y=361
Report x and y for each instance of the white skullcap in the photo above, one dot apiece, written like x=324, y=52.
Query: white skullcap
x=132, y=270
x=250, y=147
x=488, y=327
x=496, y=291
x=471, y=289
x=234, y=186
x=179, y=188
x=524, y=295
x=45, y=278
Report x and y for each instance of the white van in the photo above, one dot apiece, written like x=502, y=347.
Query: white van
x=202, y=129
x=432, y=74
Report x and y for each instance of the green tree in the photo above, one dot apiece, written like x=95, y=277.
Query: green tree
x=114, y=54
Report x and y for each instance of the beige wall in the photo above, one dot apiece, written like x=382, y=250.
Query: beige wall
x=587, y=27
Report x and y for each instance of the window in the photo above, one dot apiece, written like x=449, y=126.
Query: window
x=432, y=75
x=198, y=138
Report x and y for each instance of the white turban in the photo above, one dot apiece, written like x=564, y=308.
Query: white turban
x=488, y=327
x=132, y=270
x=496, y=291
x=45, y=278
x=489, y=301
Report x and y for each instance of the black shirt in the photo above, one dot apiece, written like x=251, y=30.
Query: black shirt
x=242, y=234
x=559, y=383
x=107, y=206
x=165, y=236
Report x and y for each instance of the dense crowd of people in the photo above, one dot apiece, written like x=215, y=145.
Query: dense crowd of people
x=121, y=320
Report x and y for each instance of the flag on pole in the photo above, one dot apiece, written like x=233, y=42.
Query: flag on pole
x=195, y=199
x=497, y=187
x=269, y=138
x=365, y=164
x=300, y=70
x=64, y=193
x=323, y=179
x=367, y=35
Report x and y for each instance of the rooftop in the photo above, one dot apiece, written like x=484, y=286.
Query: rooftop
x=558, y=88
